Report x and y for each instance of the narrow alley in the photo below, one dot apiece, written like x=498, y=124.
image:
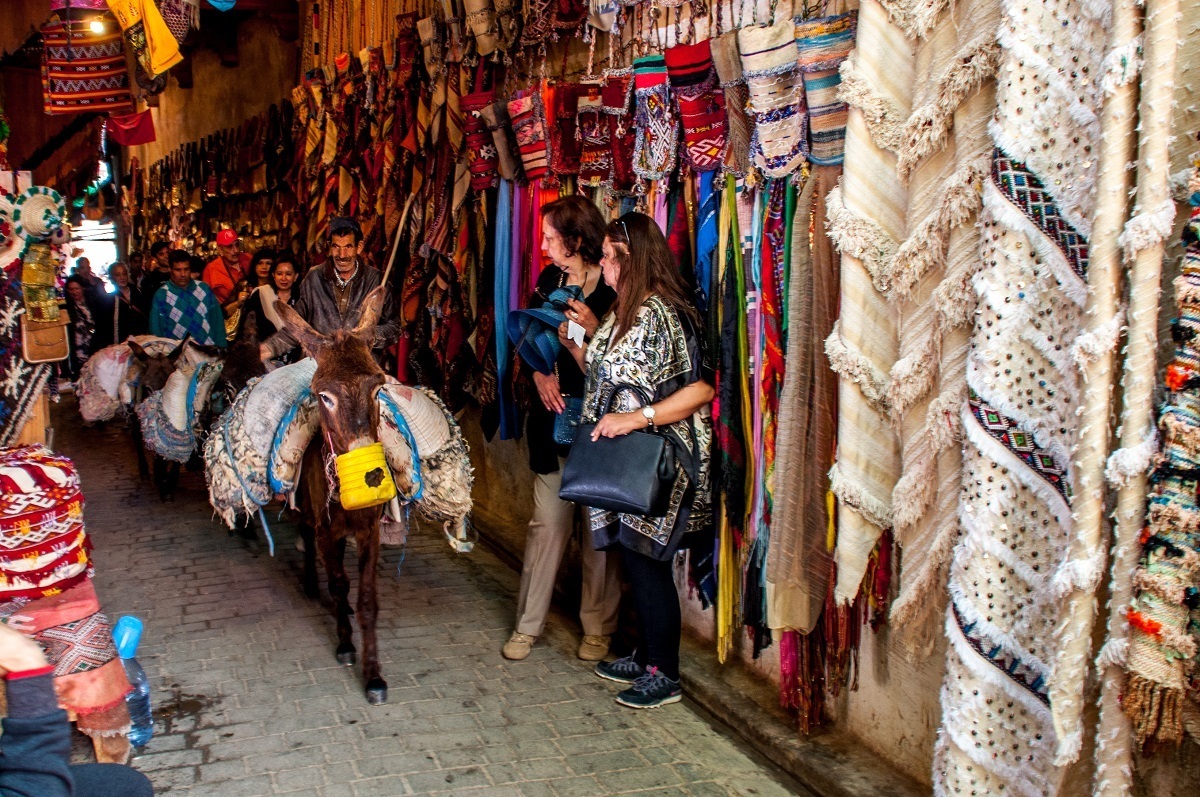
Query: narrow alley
x=250, y=701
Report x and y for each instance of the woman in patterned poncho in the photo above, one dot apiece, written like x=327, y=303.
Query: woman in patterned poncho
x=651, y=340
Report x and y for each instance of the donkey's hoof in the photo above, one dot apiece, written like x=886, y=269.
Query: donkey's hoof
x=377, y=691
x=346, y=655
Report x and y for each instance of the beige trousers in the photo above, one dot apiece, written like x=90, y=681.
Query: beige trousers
x=546, y=541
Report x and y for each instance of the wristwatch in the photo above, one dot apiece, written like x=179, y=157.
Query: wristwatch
x=648, y=414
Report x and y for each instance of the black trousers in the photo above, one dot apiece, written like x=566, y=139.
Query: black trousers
x=659, y=621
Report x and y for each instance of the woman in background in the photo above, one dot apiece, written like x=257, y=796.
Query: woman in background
x=119, y=315
x=280, y=279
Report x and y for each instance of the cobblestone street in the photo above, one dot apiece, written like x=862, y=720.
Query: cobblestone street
x=250, y=700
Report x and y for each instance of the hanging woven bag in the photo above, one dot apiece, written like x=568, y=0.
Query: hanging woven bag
x=824, y=44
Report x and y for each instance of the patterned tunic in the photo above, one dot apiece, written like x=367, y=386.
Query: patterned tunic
x=193, y=310
x=660, y=354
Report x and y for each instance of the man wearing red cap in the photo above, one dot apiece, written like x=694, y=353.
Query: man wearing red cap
x=224, y=272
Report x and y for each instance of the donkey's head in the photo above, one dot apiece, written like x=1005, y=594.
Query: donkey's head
x=347, y=376
x=156, y=368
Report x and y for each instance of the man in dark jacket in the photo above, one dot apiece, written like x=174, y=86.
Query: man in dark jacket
x=37, y=737
x=331, y=296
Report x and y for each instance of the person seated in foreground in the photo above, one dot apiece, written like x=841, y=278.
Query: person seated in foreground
x=35, y=749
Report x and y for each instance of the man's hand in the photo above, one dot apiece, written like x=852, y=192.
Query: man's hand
x=264, y=352
x=618, y=424
x=18, y=652
x=548, y=390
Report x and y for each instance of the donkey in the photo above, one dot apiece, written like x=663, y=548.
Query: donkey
x=346, y=381
x=156, y=370
x=242, y=361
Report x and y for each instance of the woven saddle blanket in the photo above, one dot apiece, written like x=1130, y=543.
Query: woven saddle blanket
x=254, y=451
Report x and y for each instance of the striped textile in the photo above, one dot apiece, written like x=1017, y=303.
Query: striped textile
x=84, y=71
x=823, y=45
x=529, y=123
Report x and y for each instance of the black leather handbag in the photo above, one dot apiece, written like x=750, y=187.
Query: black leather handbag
x=634, y=473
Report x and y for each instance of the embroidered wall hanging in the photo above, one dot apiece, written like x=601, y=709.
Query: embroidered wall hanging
x=595, y=158
x=616, y=97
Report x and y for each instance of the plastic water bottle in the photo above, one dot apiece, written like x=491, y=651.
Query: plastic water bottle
x=126, y=635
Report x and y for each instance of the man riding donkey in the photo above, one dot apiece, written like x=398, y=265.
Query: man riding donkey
x=331, y=297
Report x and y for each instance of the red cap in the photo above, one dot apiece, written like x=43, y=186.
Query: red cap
x=226, y=238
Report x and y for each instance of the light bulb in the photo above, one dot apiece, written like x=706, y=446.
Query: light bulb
x=96, y=25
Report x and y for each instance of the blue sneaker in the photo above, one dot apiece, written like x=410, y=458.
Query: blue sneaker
x=623, y=671
x=651, y=691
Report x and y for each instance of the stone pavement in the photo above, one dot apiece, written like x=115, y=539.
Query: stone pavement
x=250, y=701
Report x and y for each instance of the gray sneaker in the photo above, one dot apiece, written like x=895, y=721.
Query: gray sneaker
x=651, y=691
x=623, y=671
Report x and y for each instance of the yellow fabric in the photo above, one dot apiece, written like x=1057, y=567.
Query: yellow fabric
x=162, y=51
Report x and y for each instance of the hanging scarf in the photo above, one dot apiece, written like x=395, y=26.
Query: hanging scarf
x=503, y=303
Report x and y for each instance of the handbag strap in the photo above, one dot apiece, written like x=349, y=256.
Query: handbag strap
x=641, y=393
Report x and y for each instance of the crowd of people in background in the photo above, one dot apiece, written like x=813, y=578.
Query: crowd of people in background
x=172, y=293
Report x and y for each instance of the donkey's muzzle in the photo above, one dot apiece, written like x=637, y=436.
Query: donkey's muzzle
x=364, y=478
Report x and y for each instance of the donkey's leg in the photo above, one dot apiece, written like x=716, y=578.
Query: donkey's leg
x=368, y=612
x=135, y=431
x=162, y=479
x=309, y=580
x=333, y=552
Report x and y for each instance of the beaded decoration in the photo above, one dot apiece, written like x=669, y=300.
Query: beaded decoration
x=1005, y=683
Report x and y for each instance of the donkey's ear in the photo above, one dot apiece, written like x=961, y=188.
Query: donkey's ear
x=137, y=350
x=364, y=330
x=309, y=339
x=178, y=350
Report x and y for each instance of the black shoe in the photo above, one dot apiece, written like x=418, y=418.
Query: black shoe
x=651, y=691
x=623, y=671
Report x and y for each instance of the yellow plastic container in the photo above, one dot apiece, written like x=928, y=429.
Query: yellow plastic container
x=365, y=478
